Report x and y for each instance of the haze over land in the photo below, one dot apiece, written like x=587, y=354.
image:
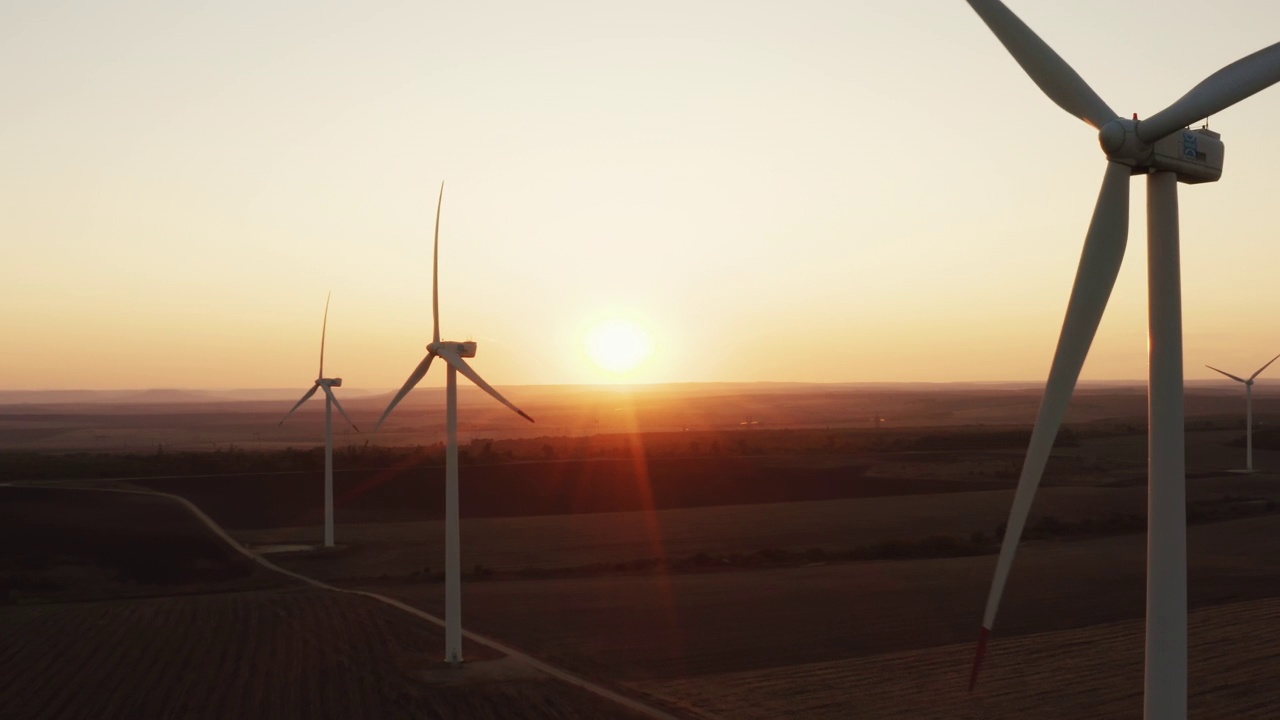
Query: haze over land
x=141, y=421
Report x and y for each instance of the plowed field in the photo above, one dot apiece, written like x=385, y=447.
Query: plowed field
x=238, y=642
x=1094, y=672
x=260, y=654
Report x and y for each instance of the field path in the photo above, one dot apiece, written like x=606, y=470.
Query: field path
x=558, y=673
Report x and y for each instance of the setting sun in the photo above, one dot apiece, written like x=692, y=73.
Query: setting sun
x=619, y=346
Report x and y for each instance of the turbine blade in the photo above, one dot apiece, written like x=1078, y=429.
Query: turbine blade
x=334, y=398
x=1264, y=367
x=1215, y=93
x=461, y=366
x=417, y=375
x=305, y=398
x=1047, y=69
x=435, y=273
x=1233, y=377
x=1100, y=260
x=324, y=329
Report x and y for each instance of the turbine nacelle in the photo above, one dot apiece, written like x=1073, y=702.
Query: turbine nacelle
x=1196, y=156
x=326, y=384
x=452, y=352
x=461, y=349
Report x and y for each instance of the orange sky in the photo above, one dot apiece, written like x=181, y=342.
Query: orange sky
x=833, y=192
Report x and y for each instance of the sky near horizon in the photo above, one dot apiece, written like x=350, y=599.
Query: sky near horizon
x=823, y=192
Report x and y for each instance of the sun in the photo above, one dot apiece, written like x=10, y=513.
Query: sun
x=618, y=346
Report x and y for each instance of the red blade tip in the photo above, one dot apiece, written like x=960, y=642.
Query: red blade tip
x=983, y=634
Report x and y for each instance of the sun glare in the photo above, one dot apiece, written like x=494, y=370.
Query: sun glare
x=619, y=346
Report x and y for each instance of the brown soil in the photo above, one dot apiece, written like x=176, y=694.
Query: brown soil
x=60, y=545
x=219, y=650
x=260, y=654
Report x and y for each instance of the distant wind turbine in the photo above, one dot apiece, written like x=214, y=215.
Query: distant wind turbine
x=452, y=353
x=1248, y=409
x=1165, y=150
x=330, y=401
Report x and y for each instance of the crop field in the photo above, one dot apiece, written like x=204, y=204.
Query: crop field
x=669, y=631
x=731, y=573
x=604, y=540
x=574, y=541
x=169, y=621
x=1095, y=672
x=66, y=545
x=264, y=654
x=558, y=487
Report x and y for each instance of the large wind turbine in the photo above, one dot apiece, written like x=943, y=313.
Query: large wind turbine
x=1248, y=409
x=330, y=401
x=452, y=353
x=1166, y=151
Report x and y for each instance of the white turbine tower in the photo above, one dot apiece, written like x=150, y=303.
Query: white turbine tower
x=330, y=401
x=1162, y=148
x=452, y=353
x=1248, y=409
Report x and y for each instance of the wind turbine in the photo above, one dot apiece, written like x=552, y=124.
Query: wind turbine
x=1248, y=409
x=1166, y=151
x=330, y=401
x=452, y=353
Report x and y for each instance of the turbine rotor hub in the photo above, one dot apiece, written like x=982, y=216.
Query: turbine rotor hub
x=1119, y=140
x=1194, y=155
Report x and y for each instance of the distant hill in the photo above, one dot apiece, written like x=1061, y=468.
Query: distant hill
x=161, y=396
x=561, y=393
x=610, y=395
x=165, y=395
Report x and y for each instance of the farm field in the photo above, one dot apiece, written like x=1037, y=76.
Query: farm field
x=258, y=654
x=724, y=585
x=1094, y=672
x=209, y=634
x=257, y=500
x=71, y=545
x=569, y=541
x=884, y=510
x=574, y=541
x=690, y=623
x=662, y=633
